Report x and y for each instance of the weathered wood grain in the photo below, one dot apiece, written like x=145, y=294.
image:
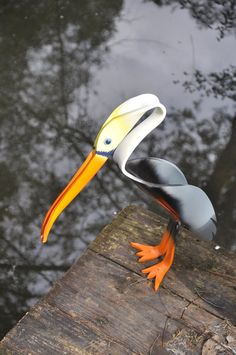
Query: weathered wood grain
x=198, y=270
x=104, y=304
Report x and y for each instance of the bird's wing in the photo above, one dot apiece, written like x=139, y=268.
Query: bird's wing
x=156, y=171
x=165, y=182
x=194, y=208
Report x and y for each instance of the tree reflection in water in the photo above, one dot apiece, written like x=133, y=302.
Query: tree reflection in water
x=52, y=52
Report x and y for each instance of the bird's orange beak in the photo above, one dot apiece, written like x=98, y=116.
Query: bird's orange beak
x=82, y=177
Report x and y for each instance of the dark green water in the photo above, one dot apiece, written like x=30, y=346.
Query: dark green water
x=64, y=66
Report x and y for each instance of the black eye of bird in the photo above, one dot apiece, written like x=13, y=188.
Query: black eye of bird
x=107, y=141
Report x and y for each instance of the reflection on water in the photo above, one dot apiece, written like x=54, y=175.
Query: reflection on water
x=64, y=66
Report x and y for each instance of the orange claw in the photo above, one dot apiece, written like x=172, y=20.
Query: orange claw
x=158, y=271
x=148, y=252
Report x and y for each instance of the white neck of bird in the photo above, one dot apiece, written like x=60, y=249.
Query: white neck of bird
x=135, y=137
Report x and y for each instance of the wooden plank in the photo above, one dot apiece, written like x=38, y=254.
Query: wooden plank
x=48, y=330
x=198, y=270
x=104, y=305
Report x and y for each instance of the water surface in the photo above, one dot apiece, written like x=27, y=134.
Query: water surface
x=64, y=66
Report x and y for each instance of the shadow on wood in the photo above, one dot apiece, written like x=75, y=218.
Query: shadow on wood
x=104, y=305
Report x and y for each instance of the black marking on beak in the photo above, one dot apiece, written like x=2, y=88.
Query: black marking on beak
x=105, y=154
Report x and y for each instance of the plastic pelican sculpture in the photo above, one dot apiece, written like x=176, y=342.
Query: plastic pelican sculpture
x=187, y=205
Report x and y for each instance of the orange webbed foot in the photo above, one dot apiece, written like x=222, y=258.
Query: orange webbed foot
x=158, y=272
x=147, y=252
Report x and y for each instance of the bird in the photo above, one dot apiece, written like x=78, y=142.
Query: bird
x=187, y=205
